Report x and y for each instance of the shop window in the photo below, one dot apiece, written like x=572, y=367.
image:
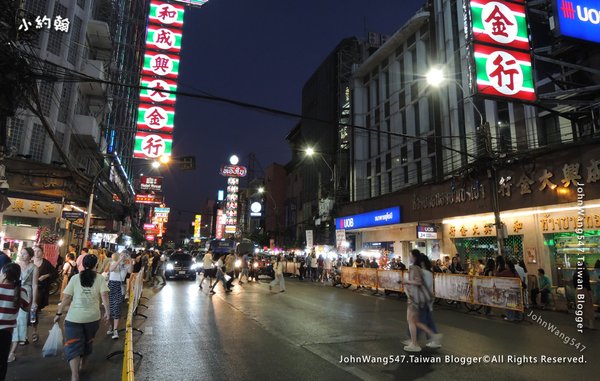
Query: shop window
x=487, y=247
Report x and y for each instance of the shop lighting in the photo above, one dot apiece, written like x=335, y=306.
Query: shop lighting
x=458, y=221
x=60, y=242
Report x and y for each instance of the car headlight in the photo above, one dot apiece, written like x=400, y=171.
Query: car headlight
x=194, y=266
x=238, y=263
x=170, y=266
x=255, y=265
x=200, y=265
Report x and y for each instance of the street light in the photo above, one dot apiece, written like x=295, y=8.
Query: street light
x=261, y=190
x=155, y=164
x=435, y=78
x=233, y=159
x=163, y=160
x=310, y=152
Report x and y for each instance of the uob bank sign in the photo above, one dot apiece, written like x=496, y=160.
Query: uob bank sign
x=579, y=19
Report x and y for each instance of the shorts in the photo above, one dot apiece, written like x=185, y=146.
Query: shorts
x=210, y=273
x=79, y=338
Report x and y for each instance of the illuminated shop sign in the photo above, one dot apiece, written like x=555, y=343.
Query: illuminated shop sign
x=578, y=19
x=382, y=217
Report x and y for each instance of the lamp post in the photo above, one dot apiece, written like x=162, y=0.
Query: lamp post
x=310, y=152
x=435, y=78
x=261, y=191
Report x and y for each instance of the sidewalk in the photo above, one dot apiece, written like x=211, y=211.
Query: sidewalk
x=30, y=365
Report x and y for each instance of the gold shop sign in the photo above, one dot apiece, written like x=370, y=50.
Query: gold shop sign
x=482, y=229
x=31, y=208
x=549, y=223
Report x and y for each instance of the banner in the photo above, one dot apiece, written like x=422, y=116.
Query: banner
x=498, y=292
x=309, y=239
x=388, y=280
x=367, y=277
x=453, y=287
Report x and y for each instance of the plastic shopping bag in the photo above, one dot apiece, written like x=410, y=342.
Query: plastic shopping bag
x=227, y=278
x=54, y=343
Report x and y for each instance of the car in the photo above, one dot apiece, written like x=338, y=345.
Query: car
x=181, y=265
x=261, y=265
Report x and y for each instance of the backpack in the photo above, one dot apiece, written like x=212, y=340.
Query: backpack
x=74, y=270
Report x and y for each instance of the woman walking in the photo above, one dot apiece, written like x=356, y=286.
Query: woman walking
x=46, y=275
x=278, y=276
x=418, y=297
x=83, y=293
x=117, y=272
x=29, y=281
x=69, y=269
x=13, y=298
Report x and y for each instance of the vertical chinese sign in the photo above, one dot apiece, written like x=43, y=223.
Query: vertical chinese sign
x=233, y=174
x=156, y=113
x=501, y=49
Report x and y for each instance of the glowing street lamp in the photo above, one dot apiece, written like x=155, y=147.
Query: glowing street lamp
x=233, y=160
x=435, y=77
x=155, y=164
x=310, y=151
x=261, y=190
x=164, y=159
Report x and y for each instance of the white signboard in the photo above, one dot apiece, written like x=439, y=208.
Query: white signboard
x=309, y=239
x=340, y=237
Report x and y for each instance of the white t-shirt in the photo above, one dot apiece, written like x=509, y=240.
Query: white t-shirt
x=327, y=264
x=85, y=307
x=119, y=274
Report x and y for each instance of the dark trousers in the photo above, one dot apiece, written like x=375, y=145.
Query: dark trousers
x=230, y=281
x=302, y=272
x=5, y=340
x=534, y=294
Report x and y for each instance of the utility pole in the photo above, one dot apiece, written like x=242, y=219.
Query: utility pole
x=492, y=173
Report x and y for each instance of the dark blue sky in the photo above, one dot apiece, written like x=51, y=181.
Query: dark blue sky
x=261, y=52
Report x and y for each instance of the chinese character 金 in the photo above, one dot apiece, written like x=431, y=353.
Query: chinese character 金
x=501, y=71
x=525, y=184
x=155, y=117
x=463, y=231
x=499, y=22
x=544, y=180
x=593, y=171
x=40, y=22
x=61, y=24
x=571, y=173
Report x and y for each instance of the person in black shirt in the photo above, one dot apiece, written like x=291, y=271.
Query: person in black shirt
x=455, y=267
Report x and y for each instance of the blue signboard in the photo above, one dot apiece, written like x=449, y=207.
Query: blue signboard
x=578, y=19
x=381, y=217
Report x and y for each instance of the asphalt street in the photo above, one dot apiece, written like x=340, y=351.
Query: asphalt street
x=303, y=334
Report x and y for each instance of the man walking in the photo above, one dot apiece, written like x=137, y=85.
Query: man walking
x=208, y=272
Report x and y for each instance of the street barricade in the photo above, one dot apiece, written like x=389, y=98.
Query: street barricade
x=497, y=292
x=135, y=294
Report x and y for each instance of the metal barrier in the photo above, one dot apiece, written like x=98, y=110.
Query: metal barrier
x=500, y=292
x=135, y=294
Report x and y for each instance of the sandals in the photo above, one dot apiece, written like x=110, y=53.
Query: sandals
x=11, y=358
x=35, y=337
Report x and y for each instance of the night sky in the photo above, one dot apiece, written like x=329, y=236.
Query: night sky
x=260, y=52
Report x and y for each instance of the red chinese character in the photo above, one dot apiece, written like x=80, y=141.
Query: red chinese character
x=155, y=117
x=161, y=63
x=157, y=91
x=501, y=71
x=153, y=145
x=164, y=12
x=500, y=22
x=164, y=37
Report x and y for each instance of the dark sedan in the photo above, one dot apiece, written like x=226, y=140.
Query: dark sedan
x=181, y=265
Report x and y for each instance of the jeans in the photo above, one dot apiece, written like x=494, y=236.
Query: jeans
x=220, y=277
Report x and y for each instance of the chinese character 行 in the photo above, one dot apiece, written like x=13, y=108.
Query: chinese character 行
x=61, y=24
x=525, y=184
x=518, y=226
x=571, y=173
x=40, y=22
x=487, y=229
x=153, y=145
x=505, y=186
x=48, y=209
x=544, y=180
x=501, y=71
x=499, y=22
x=593, y=171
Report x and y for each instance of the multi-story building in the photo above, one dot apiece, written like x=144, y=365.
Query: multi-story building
x=92, y=122
x=428, y=175
x=325, y=107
